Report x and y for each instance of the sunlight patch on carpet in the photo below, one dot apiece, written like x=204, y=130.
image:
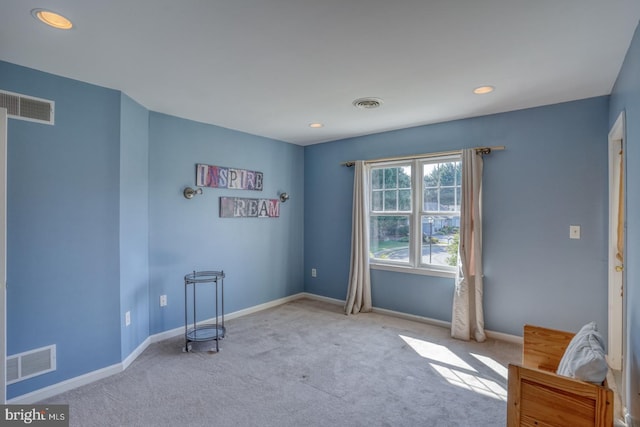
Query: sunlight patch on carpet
x=457, y=372
x=436, y=352
x=471, y=382
x=495, y=366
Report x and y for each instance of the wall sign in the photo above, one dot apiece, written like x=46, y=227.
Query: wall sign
x=237, y=207
x=223, y=177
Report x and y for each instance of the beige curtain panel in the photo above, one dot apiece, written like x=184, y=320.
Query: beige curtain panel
x=359, y=292
x=467, y=319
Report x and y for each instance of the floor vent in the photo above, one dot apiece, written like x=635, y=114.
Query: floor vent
x=27, y=107
x=31, y=363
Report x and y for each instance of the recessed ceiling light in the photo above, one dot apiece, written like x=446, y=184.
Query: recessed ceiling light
x=316, y=125
x=52, y=19
x=367, y=103
x=483, y=90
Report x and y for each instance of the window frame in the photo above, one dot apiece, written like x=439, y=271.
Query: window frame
x=414, y=265
x=397, y=213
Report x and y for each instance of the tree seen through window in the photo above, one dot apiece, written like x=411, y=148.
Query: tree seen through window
x=429, y=216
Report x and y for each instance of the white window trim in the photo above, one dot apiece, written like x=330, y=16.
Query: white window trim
x=415, y=264
x=423, y=271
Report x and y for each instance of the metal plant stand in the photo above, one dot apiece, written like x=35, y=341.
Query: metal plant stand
x=205, y=331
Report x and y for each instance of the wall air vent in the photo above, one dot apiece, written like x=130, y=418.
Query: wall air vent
x=31, y=363
x=27, y=107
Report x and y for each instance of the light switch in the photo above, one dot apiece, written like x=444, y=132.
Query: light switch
x=574, y=231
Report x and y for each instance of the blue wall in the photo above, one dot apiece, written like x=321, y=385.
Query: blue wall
x=98, y=226
x=262, y=258
x=626, y=97
x=552, y=174
x=134, y=223
x=62, y=244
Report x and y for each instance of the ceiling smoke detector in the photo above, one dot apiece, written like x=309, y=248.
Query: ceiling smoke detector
x=367, y=103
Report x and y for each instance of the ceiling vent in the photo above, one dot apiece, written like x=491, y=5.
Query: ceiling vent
x=367, y=103
x=27, y=107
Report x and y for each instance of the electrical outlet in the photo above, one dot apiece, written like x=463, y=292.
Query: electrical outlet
x=574, y=231
x=127, y=318
x=163, y=300
x=314, y=273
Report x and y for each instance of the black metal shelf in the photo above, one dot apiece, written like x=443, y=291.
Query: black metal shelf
x=195, y=332
x=205, y=333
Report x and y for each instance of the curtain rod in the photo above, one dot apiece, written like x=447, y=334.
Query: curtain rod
x=479, y=150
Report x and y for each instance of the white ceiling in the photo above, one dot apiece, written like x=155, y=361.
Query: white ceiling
x=272, y=67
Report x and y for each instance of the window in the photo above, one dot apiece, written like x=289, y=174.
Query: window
x=415, y=215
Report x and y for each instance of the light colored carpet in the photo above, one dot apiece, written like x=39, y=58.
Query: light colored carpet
x=306, y=364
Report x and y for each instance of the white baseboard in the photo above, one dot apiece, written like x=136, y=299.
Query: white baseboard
x=320, y=298
x=629, y=421
x=263, y=306
x=66, y=385
x=135, y=353
x=70, y=384
x=161, y=336
x=500, y=336
x=414, y=317
x=384, y=311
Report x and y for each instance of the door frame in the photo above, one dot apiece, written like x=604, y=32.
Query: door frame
x=3, y=255
x=616, y=274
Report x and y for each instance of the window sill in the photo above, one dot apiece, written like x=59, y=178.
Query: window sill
x=412, y=270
